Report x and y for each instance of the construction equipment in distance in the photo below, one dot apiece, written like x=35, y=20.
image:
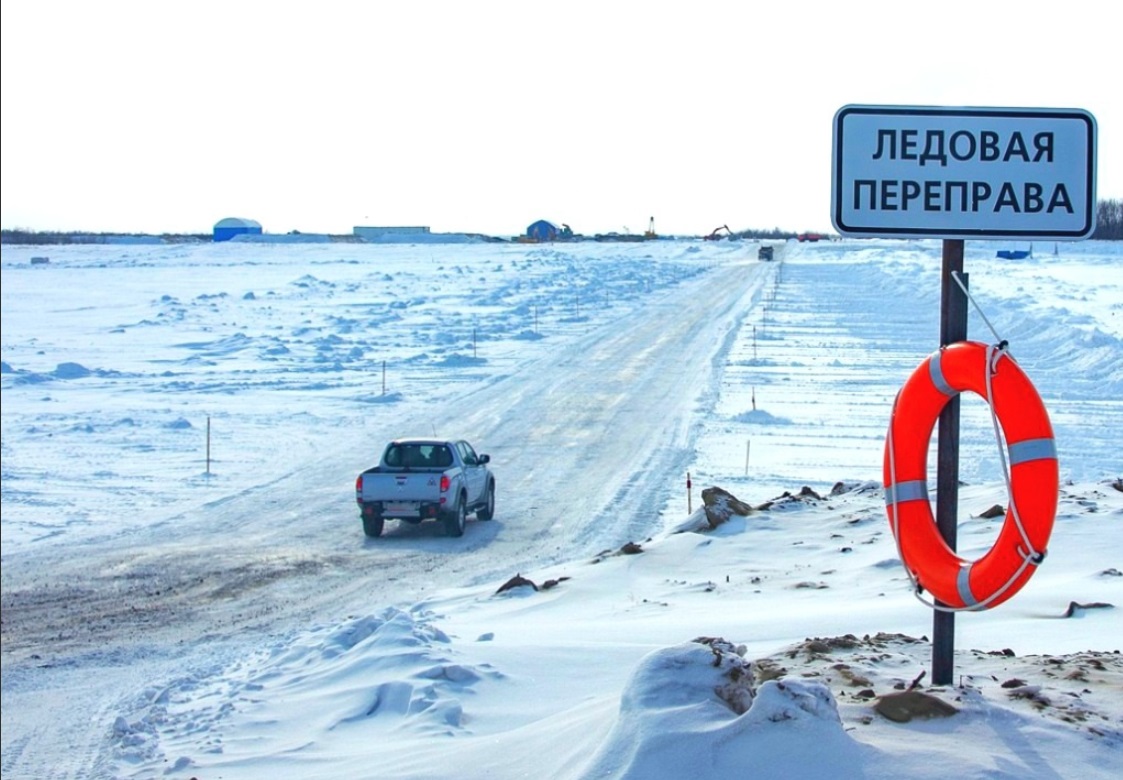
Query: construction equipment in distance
x=650, y=234
x=716, y=233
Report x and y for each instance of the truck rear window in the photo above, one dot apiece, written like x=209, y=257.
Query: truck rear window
x=418, y=456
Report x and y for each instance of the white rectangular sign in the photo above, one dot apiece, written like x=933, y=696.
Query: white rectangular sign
x=914, y=171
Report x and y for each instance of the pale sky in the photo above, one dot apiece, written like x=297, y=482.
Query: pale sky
x=485, y=116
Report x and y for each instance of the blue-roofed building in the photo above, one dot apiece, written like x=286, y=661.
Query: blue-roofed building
x=226, y=229
x=542, y=231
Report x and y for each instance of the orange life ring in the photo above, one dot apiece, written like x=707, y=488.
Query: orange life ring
x=1033, y=480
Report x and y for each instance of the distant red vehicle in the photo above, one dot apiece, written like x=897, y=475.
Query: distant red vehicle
x=810, y=237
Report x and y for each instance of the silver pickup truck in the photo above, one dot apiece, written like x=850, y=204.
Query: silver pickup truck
x=419, y=479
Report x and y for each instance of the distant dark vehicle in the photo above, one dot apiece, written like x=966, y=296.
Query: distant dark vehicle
x=764, y=253
x=421, y=479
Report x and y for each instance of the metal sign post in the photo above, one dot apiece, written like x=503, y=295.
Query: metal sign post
x=953, y=328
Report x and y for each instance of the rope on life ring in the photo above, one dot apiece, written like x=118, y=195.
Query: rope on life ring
x=1031, y=480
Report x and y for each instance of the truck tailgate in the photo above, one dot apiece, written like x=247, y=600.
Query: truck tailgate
x=403, y=486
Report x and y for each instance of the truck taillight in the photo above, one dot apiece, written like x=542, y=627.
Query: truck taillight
x=445, y=483
x=359, y=490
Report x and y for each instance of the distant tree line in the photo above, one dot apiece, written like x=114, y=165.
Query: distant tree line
x=24, y=236
x=1109, y=220
x=775, y=234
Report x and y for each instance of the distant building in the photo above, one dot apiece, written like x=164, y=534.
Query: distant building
x=226, y=229
x=542, y=231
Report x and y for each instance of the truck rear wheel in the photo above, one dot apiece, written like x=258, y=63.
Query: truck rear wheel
x=455, y=522
x=372, y=524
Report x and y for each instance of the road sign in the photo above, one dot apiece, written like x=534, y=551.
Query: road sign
x=931, y=172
